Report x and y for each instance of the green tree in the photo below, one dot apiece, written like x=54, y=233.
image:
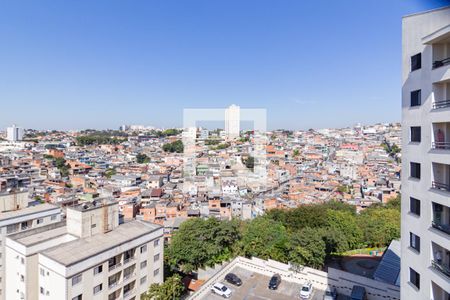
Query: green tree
x=307, y=247
x=176, y=146
x=201, y=242
x=141, y=158
x=346, y=223
x=380, y=226
x=264, y=238
x=171, y=289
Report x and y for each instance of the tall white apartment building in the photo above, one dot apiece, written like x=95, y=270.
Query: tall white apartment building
x=87, y=256
x=14, y=133
x=15, y=219
x=232, y=121
x=425, y=257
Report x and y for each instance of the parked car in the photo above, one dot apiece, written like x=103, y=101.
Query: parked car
x=233, y=279
x=274, y=281
x=330, y=293
x=306, y=291
x=221, y=290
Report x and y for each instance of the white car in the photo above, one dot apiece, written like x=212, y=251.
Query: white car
x=221, y=290
x=306, y=291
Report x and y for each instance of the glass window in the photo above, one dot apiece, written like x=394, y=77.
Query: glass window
x=415, y=170
x=143, y=264
x=143, y=279
x=156, y=243
x=76, y=279
x=416, y=98
x=156, y=272
x=98, y=269
x=416, y=62
x=156, y=257
x=144, y=249
x=414, y=278
x=97, y=288
x=416, y=134
x=414, y=241
x=414, y=206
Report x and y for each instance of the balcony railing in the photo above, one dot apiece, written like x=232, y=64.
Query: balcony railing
x=128, y=276
x=442, y=227
x=441, y=267
x=441, y=186
x=114, y=267
x=440, y=145
x=441, y=104
x=128, y=260
x=128, y=293
x=114, y=284
x=440, y=63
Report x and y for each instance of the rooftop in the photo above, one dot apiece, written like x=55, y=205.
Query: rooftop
x=72, y=252
x=26, y=211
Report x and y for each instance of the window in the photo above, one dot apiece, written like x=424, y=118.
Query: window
x=98, y=269
x=156, y=272
x=416, y=98
x=415, y=170
x=416, y=62
x=53, y=217
x=79, y=297
x=93, y=225
x=156, y=257
x=416, y=134
x=76, y=279
x=42, y=290
x=414, y=206
x=11, y=228
x=144, y=249
x=22, y=278
x=97, y=289
x=414, y=241
x=143, y=264
x=156, y=243
x=22, y=260
x=143, y=279
x=42, y=271
x=40, y=221
x=414, y=278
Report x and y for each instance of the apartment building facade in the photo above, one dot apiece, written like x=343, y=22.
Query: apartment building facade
x=88, y=256
x=425, y=256
x=21, y=219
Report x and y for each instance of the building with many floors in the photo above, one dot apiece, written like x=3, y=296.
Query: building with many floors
x=425, y=263
x=87, y=256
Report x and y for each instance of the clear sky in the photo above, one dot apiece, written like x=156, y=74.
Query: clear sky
x=100, y=64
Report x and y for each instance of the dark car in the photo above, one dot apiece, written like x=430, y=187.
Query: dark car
x=233, y=279
x=274, y=281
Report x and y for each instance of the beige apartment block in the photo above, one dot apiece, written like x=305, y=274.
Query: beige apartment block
x=88, y=256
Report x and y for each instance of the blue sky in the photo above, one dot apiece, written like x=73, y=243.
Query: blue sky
x=99, y=64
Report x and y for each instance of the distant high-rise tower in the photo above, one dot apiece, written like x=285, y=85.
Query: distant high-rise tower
x=232, y=121
x=14, y=133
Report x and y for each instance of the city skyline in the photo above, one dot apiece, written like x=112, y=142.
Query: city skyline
x=66, y=67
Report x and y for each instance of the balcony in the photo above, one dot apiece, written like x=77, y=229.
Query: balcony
x=441, y=104
x=440, y=260
x=441, y=145
x=440, y=186
x=441, y=267
x=440, y=177
x=441, y=63
x=441, y=218
x=438, y=293
x=128, y=293
x=128, y=260
x=113, y=267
